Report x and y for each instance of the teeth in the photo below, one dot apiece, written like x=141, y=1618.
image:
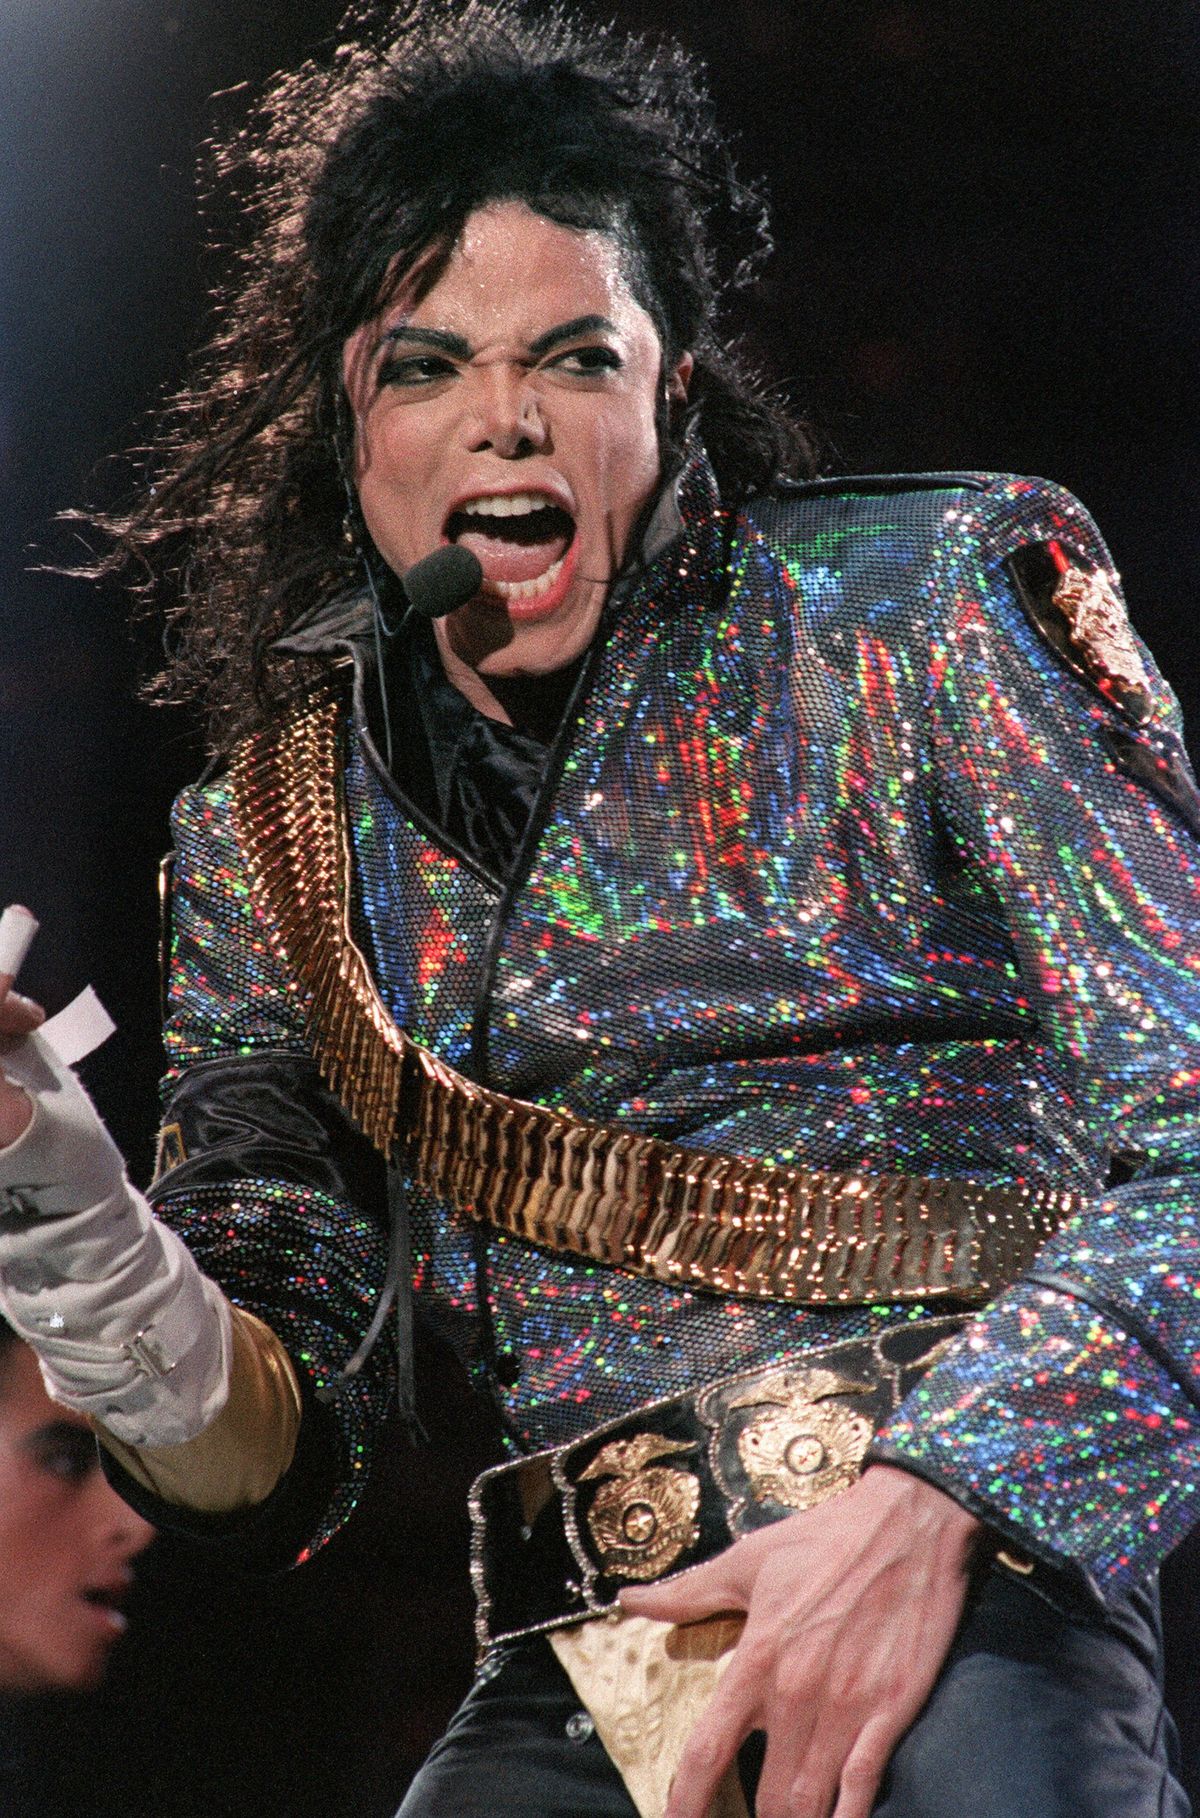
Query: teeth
x=507, y=505
x=529, y=590
x=102, y=1602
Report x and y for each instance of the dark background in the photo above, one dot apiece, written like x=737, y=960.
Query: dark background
x=988, y=257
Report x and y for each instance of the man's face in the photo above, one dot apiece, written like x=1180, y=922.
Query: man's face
x=66, y=1540
x=513, y=410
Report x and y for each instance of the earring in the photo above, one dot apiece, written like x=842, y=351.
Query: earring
x=352, y=542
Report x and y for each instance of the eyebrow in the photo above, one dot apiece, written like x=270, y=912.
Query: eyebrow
x=53, y=1434
x=567, y=331
x=460, y=348
x=58, y=1430
x=429, y=337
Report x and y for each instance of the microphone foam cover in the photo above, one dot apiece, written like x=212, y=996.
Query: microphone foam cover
x=439, y=582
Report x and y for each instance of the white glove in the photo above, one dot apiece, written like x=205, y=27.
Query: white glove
x=128, y=1329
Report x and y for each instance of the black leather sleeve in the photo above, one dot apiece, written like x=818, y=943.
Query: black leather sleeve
x=268, y=1116
x=283, y=1202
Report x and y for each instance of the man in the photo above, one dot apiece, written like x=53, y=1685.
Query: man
x=67, y=1546
x=729, y=941
x=67, y=1541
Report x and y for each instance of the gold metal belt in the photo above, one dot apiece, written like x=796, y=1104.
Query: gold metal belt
x=696, y=1219
x=679, y=1215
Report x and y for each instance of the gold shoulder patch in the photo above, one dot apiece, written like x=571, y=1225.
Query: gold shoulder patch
x=1073, y=605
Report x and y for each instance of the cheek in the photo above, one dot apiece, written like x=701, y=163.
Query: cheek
x=22, y=1525
x=389, y=455
x=393, y=473
x=39, y=1642
x=628, y=461
x=17, y=1601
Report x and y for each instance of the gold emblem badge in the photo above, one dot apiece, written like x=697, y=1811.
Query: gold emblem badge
x=803, y=1442
x=644, y=1517
x=1099, y=628
x=171, y=1150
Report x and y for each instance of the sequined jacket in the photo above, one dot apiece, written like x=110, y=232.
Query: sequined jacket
x=838, y=860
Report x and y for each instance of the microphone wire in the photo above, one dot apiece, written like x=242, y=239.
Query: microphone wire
x=380, y=670
x=377, y=625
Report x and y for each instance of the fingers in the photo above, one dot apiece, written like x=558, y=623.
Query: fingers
x=865, y=1767
x=16, y=1112
x=839, y=1772
x=833, y=1720
x=851, y=1611
x=711, y=1749
x=17, y=929
x=707, y=1590
x=18, y=1015
x=713, y=1589
x=829, y=1760
x=817, y=1755
x=791, y=1784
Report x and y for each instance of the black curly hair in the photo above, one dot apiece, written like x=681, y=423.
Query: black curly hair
x=349, y=171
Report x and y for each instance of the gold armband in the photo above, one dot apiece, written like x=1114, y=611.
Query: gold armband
x=240, y=1456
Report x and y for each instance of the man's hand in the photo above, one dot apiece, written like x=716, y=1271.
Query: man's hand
x=18, y=1015
x=851, y=1608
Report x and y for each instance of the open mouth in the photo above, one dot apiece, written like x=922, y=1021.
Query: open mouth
x=522, y=541
x=107, y=1605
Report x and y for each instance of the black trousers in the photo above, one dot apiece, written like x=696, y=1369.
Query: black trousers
x=1039, y=1712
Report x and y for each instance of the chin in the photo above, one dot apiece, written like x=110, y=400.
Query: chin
x=74, y=1669
x=540, y=647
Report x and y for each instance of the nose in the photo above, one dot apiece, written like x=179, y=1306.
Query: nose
x=125, y=1531
x=508, y=417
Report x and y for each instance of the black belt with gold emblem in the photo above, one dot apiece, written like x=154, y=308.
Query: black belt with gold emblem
x=557, y=1535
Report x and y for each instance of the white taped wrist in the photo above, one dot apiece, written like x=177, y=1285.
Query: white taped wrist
x=127, y=1327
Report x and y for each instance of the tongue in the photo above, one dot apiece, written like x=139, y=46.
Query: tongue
x=502, y=560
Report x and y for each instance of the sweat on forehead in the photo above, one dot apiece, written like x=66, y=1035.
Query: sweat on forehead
x=408, y=285
x=410, y=278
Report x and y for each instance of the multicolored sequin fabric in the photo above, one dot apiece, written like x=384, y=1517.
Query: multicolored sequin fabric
x=226, y=992
x=314, y=1267
x=311, y=1266
x=1053, y=1422
x=837, y=871
x=426, y=917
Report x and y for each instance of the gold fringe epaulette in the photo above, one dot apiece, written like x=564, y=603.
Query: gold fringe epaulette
x=686, y=1217
x=289, y=817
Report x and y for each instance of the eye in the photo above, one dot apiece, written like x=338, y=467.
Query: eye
x=69, y=1454
x=588, y=362
x=413, y=369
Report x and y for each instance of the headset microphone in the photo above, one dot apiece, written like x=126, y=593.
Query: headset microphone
x=441, y=581
x=437, y=584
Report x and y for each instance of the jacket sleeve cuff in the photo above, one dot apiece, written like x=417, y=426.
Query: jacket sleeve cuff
x=241, y=1454
x=272, y=1535
x=1054, y=1426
